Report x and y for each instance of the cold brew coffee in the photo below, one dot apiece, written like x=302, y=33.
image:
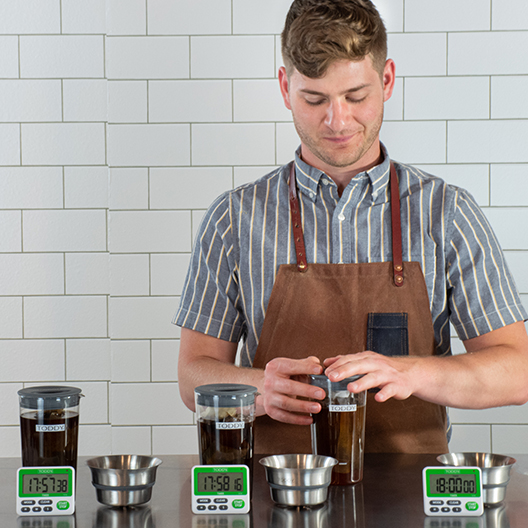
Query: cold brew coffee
x=341, y=435
x=226, y=413
x=338, y=430
x=226, y=442
x=49, y=438
x=49, y=425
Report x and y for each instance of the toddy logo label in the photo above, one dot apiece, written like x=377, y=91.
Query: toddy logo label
x=230, y=425
x=50, y=428
x=342, y=408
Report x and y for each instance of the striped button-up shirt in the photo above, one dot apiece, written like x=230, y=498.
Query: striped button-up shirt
x=246, y=235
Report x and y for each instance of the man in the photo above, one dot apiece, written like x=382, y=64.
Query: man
x=347, y=263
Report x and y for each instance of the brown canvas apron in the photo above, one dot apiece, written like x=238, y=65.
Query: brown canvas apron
x=323, y=310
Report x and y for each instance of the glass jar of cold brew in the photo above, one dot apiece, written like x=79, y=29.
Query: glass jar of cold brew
x=49, y=425
x=225, y=413
x=338, y=430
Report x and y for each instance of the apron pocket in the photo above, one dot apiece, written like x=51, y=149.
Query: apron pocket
x=387, y=334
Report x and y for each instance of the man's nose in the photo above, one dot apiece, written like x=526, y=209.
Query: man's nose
x=337, y=116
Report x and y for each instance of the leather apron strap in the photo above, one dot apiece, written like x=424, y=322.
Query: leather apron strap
x=300, y=250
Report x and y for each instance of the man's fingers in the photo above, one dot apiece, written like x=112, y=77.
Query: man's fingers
x=291, y=410
x=294, y=367
x=291, y=418
x=287, y=396
x=293, y=388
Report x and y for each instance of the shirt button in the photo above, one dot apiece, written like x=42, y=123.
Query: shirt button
x=341, y=217
x=312, y=194
x=325, y=181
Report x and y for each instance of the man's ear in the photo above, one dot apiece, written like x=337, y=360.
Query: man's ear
x=284, y=87
x=389, y=78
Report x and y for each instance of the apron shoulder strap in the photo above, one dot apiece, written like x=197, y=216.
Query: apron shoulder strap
x=397, y=260
x=298, y=237
x=300, y=251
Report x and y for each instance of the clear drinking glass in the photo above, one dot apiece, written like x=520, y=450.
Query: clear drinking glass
x=338, y=430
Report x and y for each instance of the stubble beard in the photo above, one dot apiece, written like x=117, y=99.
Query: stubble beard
x=346, y=156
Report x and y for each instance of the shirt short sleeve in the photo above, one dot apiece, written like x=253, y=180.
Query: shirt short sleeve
x=482, y=293
x=210, y=301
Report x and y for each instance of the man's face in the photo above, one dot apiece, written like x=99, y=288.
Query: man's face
x=338, y=116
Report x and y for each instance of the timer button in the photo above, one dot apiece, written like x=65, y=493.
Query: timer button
x=456, y=509
x=43, y=502
x=436, y=503
x=454, y=503
x=200, y=508
x=434, y=509
x=446, y=510
x=203, y=501
x=25, y=509
x=37, y=509
x=220, y=501
x=223, y=507
x=212, y=507
x=28, y=502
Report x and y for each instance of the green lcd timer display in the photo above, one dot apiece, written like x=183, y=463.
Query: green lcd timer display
x=452, y=491
x=46, y=490
x=220, y=489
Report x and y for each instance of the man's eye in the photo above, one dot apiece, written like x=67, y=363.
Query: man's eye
x=356, y=100
x=314, y=103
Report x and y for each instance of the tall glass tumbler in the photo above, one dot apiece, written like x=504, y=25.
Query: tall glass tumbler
x=49, y=425
x=338, y=430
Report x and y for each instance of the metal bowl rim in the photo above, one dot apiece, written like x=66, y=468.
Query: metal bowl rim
x=508, y=460
x=94, y=463
x=330, y=462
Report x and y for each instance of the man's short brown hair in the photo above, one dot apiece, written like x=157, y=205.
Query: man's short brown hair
x=320, y=32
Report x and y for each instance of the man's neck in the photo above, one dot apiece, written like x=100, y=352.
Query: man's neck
x=342, y=176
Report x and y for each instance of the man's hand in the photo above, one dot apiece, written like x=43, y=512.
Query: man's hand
x=392, y=375
x=493, y=372
x=204, y=359
x=285, y=381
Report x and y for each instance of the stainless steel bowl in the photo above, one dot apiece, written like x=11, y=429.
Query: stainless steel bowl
x=495, y=471
x=298, y=480
x=123, y=480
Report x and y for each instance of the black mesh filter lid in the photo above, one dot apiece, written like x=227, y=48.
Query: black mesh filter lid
x=49, y=397
x=322, y=381
x=225, y=395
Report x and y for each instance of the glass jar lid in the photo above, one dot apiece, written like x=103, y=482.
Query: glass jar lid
x=49, y=397
x=320, y=380
x=225, y=395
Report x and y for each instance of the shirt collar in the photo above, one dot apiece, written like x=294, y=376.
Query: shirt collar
x=309, y=178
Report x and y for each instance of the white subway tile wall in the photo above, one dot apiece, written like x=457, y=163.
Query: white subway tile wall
x=126, y=17
x=61, y=57
x=8, y=55
x=121, y=120
x=126, y=440
x=31, y=187
x=33, y=16
x=9, y=143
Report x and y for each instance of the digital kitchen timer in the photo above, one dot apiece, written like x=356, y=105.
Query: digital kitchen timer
x=220, y=489
x=453, y=491
x=45, y=490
